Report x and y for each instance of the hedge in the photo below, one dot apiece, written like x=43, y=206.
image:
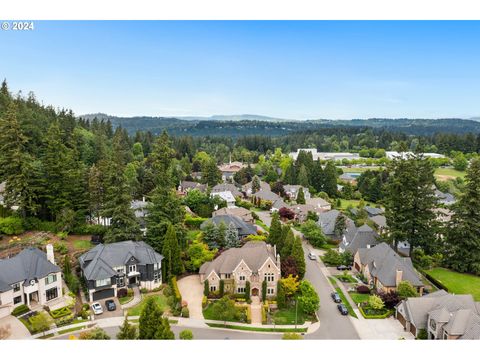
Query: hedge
x=20, y=310
x=194, y=222
x=434, y=281
x=61, y=312
x=11, y=226
x=176, y=291
x=383, y=316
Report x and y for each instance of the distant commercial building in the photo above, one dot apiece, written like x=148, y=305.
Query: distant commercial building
x=326, y=155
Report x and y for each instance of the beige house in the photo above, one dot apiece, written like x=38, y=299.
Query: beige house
x=385, y=269
x=254, y=262
x=242, y=213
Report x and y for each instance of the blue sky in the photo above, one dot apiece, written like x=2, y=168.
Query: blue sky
x=289, y=69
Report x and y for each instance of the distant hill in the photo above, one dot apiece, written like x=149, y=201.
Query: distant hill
x=225, y=125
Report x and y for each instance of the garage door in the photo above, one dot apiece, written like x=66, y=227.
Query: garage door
x=103, y=294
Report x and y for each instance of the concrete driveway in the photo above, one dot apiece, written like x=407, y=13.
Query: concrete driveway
x=192, y=292
x=16, y=329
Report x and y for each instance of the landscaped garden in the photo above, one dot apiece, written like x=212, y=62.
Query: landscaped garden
x=358, y=298
x=159, y=298
x=456, y=282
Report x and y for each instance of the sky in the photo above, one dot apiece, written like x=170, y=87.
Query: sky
x=284, y=69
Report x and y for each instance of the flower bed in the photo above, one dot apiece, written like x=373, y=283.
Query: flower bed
x=369, y=313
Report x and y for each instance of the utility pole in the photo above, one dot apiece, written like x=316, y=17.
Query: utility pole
x=296, y=311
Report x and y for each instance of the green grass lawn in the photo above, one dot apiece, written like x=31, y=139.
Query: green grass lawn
x=160, y=299
x=359, y=170
x=71, y=330
x=354, y=203
x=262, y=224
x=249, y=328
x=346, y=278
x=125, y=299
x=450, y=172
x=82, y=244
x=287, y=316
x=209, y=314
x=343, y=297
x=358, y=298
x=457, y=283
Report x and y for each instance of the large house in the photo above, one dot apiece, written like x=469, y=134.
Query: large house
x=243, y=228
x=319, y=203
x=292, y=191
x=326, y=155
x=354, y=238
x=140, y=208
x=385, y=269
x=242, y=213
x=230, y=169
x=227, y=187
x=186, y=186
x=442, y=315
x=254, y=262
x=109, y=267
x=226, y=196
x=29, y=278
x=247, y=188
x=328, y=220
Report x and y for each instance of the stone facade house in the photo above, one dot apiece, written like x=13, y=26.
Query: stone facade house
x=254, y=262
x=385, y=269
x=109, y=267
x=442, y=315
x=29, y=278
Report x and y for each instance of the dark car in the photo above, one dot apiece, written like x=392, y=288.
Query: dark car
x=336, y=297
x=343, y=309
x=110, y=305
x=344, y=267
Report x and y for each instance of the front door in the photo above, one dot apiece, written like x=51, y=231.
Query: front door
x=254, y=292
x=133, y=280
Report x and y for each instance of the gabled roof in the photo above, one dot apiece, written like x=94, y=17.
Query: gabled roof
x=253, y=253
x=383, y=263
x=193, y=185
x=318, y=202
x=225, y=195
x=444, y=198
x=379, y=220
x=243, y=213
x=266, y=195
x=29, y=264
x=263, y=185
x=243, y=228
x=226, y=187
x=327, y=219
x=358, y=238
x=373, y=211
x=98, y=263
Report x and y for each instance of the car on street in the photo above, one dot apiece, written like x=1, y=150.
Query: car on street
x=343, y=309
x=312, y=256
x=336, y=297
x=344, y=267
x=97, y=308
x=110, y=305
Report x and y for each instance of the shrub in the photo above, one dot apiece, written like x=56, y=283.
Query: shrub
x=204, y=301
x=122, y=293
x=291, y=336
x=167, y=291
x=186, y=335
x=85, y=307
x=185, y=312
x=194, y=222
x=61, y=312
x=62, y=235
x=72, y=282
x=20, y=310
x=363, y=289
x=87, y=229
x=422, y=334
x=176, y=291
x=32, y=223
x=332, y=258
x=390, y=299
x=65, y=320
x=405, y=289
x=11, y=226
x=206, y=288
x=60, y=248
x=375, y=302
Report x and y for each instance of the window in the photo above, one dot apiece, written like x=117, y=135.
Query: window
x=213, y=288
x=242, y=277
x=120, y=281
x=52, y=293
x=270, y=291
x=16, y=287
x=50, y=279
x=269, y=277
x=17, y=299
x=156, y=266
x=156, y=276
x=227, y=276
x=132, y=268
x=103, y=282
x=241, y=290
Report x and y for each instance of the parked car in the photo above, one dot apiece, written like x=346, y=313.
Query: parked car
x=344, y=267
x=110, y=305
x=97, y=308
x=312, y=256
x=343, y=309
x=336, y=297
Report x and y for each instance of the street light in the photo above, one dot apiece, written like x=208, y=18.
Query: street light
x=296, y=311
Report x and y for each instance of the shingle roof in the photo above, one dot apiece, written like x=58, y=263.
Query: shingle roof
x=373, y=211
x=266, y=195
x=444, y=198
x=263, y=185
x=253, y=253
x=327, y=220
x=243, y=213
x=380, y=220
x=193, y=185
x=383, y=263
x=224, y=195
x=98, y=263
x=318, y=202
x=227, y=187
x=243, y=228
x=30, y=263
x=358, y=238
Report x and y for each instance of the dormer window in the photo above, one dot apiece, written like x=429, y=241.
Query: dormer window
x=433, y=324
x=16, y=287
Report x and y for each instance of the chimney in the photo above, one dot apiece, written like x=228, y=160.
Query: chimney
x=398, y=277
x=278, y=261
x=50, y=256
x=143, y=198
x=275, y=250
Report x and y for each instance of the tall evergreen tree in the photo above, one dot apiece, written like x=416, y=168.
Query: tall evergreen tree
x=330, y=179
x=290, y=176
x=127, y=331
x=410, y=198
x=152, y=325
x=171, y=253
x=211, y=174
x=288, y=243
x=255, y=184
x=16, y=164
x=300, y=196
x=231, y=236
x=298, y=255
x=317, y=176
x=275, y=234
x=463, y=235
x=302, y=177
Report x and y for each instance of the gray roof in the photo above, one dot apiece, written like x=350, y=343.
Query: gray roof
x=140, y=208
x=193, y=185
x=243, y=227
x=226, y=187
x=327, y=220
x=98, y=263
x=237, y=211
x=278, y=204
x=444, y=198
x=263, y=185
x=2, y=187
x=358, y=238
x=383, y=264
x=267, y=195
x=379, y=220
x=30, y=263
x=373, y=211
x=317, y=201
x=253, y=253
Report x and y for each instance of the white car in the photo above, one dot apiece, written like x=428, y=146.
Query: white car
x=312, y=256
x=97, y=308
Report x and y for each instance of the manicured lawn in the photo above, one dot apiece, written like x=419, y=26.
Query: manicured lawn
x=82, y=244
x=346, y=278
x=248, y=328
x=160, y=299
x=344, y=299
x=359, y=170
x=287, y=316
x=125, y=299
x=70, y=330
x=457, y=283
x=450, y=172
x=354, y=203
x=208, y=313
x=358, y=298
x=262, y=224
